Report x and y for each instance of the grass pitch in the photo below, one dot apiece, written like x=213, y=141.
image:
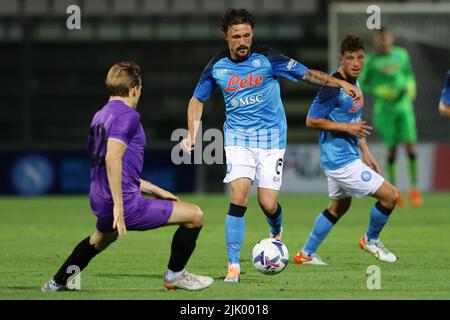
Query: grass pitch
x=37, y=234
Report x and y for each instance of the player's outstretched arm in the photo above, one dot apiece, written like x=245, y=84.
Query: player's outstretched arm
x=367, y=156
x=444, y=109
x=359, y=128
x=195, y=110
x=158, y=192
x=320, y=78
x=113, y=160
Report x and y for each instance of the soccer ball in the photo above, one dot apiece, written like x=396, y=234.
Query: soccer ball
x=270, y=256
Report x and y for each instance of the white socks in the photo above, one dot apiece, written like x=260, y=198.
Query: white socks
x=171, y=276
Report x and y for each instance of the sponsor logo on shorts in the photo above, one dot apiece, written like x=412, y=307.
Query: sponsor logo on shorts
x=229, y=166
x=276, y=179
x=366, y=175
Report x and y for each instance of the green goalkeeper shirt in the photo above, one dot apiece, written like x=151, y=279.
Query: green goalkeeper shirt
x=389, y=78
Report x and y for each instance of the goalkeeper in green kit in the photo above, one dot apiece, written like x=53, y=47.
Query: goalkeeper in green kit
x=388, y=76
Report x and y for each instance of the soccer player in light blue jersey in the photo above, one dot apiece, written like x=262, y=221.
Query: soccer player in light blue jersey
x=255, y=126
x=342, y=133
x=444, y=104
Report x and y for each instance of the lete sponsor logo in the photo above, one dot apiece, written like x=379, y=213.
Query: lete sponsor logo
x=236, y=83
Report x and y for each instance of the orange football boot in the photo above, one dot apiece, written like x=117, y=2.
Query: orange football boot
x=233, y=275
x=314, y=259
x=416, y=197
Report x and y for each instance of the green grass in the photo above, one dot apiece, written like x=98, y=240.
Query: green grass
x=37, y=234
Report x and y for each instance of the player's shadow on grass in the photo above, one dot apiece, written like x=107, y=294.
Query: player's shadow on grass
x=22, y=288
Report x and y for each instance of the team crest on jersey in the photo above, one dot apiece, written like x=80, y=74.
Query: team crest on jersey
x=256, y=63
x=221, y=73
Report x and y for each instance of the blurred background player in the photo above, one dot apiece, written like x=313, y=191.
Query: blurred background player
x=388, y=76
x=444, y=103
x=255, y=127
x=116, y=146
x=342, y=133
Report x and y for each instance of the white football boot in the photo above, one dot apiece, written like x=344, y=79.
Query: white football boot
x=377, y=249
x=188, y=281
x=52, y=286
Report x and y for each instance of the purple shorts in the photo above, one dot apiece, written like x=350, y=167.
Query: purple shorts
x=150, y=214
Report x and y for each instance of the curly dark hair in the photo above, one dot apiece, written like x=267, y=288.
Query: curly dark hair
x=352, y=43
x=236, y=16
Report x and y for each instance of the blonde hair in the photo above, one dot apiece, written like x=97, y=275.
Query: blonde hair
x=122, y=77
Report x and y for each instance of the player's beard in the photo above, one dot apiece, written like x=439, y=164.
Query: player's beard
x=242, y=56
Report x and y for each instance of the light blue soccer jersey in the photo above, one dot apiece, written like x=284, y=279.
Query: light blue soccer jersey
x=337, y=149
x=445, y=97
x=254, y=111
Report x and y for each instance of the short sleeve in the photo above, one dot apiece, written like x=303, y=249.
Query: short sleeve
x=323, y=103
x=207, y=84
x=284, y=66
x=124, y=126
x=445, y=98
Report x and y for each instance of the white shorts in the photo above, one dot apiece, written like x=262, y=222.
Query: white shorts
x=354, y=179
x=264, y=164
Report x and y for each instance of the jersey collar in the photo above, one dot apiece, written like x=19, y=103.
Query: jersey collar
x=338, y=75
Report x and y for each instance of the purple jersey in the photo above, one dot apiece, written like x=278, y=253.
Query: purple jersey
x=116, y=121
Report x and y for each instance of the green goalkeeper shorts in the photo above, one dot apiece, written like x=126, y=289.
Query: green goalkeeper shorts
x=395, y=123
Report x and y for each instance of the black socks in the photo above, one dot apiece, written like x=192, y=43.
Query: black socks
x=80, y=257
x=183, y=244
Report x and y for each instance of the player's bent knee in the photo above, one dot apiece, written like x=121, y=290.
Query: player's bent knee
x=100, y=241
x=240, y=200
x=268, y=206
x=337, y=213
x=390, y=199
x=394, y=197
x=197, y=216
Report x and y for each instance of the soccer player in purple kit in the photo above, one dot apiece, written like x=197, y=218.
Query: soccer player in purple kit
x=255, y=127
x=116, y=146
